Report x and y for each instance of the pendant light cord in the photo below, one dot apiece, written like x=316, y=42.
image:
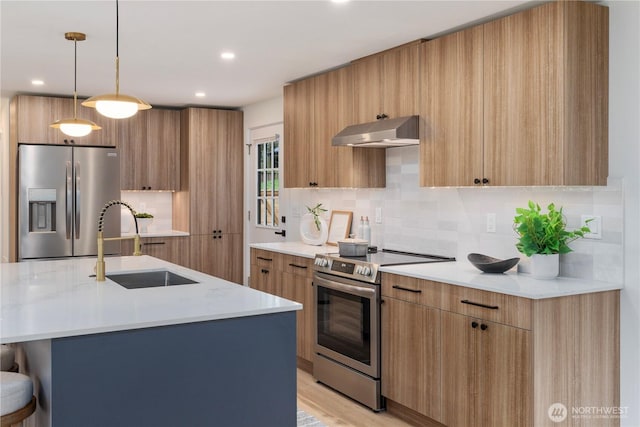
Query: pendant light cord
x=117, y=49
x=75, y=77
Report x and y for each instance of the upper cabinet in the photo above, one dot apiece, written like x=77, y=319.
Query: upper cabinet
x=315, y=110
x=518, y=101
x=149, y=144
x=34, y=114
x=386, y=84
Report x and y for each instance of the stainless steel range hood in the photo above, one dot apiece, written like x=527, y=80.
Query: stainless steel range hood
x=396, y=132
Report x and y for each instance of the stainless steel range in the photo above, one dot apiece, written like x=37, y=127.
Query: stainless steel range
x=347, y=314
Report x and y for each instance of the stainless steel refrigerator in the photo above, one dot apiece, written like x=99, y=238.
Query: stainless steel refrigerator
x=62, y=191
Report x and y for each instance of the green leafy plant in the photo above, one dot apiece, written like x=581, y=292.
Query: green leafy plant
x=316, y=211
x=544, y=233
x=143, y=215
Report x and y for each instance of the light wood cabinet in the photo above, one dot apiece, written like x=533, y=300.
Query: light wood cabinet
x=149, y=144
x=451, y=149
x=219, y=256
x=34, y=114
x=411, y=356
x=315, y=110
x=171, y=249
x=386, y=84
x=522, y=100
x=486, y=373
x=209, y=203
x=469, y=357
x=289, y=277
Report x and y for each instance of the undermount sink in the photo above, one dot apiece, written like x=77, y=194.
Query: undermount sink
x=149, y=279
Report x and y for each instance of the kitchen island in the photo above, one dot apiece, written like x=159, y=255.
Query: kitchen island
x=210, y=353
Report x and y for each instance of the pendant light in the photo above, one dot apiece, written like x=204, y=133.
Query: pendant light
x=116, y=105
x=75, y=126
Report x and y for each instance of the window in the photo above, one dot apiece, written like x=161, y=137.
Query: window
x=268, y=181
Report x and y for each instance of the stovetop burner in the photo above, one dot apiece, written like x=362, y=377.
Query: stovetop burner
x=388, y=257
x=366, y=268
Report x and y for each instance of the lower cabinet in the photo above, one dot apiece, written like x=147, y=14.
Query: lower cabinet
x=486, y=373
x=217, y=255
x=466, y=357
x=411, y=356
x=288, y=277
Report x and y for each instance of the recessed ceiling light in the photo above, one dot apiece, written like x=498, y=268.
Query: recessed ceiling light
x=37, y=82
x=200, y=94
x=227, y=55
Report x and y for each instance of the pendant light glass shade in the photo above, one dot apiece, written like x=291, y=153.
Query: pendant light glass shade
x=75, y=127
x=116, y=105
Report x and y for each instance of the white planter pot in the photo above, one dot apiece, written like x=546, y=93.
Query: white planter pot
x=143, y=224
x=309, y=231
x=545, y=266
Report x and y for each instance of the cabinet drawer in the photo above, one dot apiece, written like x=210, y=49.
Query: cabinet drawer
x=410, y=289
x=492, y=306
x=264, y=258
x=300, y=266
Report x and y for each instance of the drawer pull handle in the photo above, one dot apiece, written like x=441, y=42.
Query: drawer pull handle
x=265, y=259
x=154, y=243
x=298, y=266
x=415, y=291
x=477, y=304
x=265, y=271
x=474, y=325
x=483, y=327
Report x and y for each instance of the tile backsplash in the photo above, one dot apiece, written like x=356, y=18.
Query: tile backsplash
x=157, y=203
x=453, y=221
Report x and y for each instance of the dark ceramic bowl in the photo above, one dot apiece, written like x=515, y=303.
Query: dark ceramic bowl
x=491, y=265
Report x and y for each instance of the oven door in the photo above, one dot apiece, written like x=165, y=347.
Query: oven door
x=347, y=314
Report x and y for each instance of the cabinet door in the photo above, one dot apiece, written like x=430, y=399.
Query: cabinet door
x=36, y=113
x=333, y=111
x=171, y=249
x=486, y=373
x=521, y=145
x=107, y=136
x=505, y=378
x=451, y=151
x=132, y=145
x=299, y=128
x=411, y=356
x=162, y=149
x=367, y=77
x=299, y=288
x=459, y=380
x=265, y=279
x=219, y=256
x=400, y=71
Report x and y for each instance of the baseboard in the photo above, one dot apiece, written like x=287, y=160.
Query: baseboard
x=410, y=416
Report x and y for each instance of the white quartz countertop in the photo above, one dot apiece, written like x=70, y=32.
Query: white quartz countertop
x=463, y=273
x=53, y=299
x=511, y=283
x=296, y=248
x=159, y=233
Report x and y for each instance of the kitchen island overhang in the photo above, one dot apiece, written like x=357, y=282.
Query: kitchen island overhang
x=235, y=365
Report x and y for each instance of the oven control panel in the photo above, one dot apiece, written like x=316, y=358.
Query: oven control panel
x=356, y=270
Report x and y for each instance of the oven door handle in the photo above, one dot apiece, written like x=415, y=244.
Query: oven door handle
x=349, y=289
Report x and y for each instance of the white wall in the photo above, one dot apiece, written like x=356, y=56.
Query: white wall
x=452, y=221
x=4, y=179
x=624, y=158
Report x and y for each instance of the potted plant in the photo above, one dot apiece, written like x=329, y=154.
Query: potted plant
x=543, y=237
x=144, y=221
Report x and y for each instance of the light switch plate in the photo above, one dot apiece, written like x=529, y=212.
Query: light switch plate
x=491, y=223
x=378, y=215
x=595, y=225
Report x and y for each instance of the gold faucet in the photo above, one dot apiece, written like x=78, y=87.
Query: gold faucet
x=100, y=266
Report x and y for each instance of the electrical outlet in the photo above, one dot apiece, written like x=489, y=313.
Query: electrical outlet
x=491, y=223
x=378, y=215
x=295, y=211
x=595, y=225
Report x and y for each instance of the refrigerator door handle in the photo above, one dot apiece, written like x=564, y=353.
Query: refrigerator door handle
x=77, y=201
x=68, y=200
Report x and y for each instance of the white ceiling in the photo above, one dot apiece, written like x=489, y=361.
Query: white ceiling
x=171, y=49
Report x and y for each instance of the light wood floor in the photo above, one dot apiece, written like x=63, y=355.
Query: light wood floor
x=336, y=410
